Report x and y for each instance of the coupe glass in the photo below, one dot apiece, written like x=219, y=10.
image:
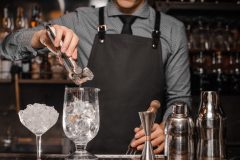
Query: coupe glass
x=81, y=118
x=38, y=118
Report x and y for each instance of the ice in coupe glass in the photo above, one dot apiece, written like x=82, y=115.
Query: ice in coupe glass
x=38, y=118
x=81, y=118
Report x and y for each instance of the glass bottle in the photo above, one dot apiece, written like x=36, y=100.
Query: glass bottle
x=1, y=67
x=34, y=18
x=220, y=47
x=5, y=69
x=236, y=74
x=200, y=55
x=45, y=71
x=5, y=64
x=20, y=20
x=35, y=67
x=6, y=25
x=26, y=68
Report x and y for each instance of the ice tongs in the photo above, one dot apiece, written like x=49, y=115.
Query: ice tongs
x=75, y=72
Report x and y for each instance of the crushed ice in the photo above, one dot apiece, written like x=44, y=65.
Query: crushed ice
x=38, y=118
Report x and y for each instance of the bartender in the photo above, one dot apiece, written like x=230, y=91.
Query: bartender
x=136, y=54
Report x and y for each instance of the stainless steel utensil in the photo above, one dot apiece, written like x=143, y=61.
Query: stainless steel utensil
x=179, y=134
x=147, y=120
x=154, y=106
x=210, y=128
x=75, y=72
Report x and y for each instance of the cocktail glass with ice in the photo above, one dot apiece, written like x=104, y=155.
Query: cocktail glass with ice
x=38, y=118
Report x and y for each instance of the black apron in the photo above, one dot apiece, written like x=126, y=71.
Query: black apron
x=129, y=71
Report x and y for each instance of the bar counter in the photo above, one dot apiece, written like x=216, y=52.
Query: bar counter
x=22, y=156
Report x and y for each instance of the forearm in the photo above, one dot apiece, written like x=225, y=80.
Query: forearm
x=17, y=45
x=26, y=43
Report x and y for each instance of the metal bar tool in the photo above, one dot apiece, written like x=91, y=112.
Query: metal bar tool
x=154, y=106
x=147, y=120
x=75, y=72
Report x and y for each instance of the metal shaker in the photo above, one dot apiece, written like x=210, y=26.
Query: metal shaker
x=178, y=131
x=210, y=128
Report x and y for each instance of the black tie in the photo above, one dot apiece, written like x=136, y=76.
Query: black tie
x=127, y=21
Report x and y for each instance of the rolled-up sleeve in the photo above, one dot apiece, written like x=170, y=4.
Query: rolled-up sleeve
x=177, y=70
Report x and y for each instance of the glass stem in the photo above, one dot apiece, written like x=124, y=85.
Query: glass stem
x=80, y=148
x=39, y=149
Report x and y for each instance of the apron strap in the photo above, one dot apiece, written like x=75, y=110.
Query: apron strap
x=155, y=44
x=156, y=33
x=101, y=27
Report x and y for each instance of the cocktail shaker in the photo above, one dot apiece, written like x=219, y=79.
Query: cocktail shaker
x=209, y=124
x=178, y=131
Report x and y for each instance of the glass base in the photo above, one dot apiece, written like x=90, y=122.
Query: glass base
x=82, y=156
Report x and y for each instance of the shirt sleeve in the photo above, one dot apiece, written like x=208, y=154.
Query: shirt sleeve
x=17, y=45
x=177, y=70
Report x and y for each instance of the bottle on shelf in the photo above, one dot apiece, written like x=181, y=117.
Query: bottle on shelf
x=20, y=19
x=36, y=17
x=45, y=72
x=221, y=50
x=57, y=69
x=209, y=1
x=26, y=68
x=6, y=25
x=35, y=67
x=0, y=67
x=5, y=65
x=200, y=54
x=235, y=77
x=5, y=69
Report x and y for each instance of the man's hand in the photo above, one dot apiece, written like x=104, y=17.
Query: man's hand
x=70, y=40
x=157, y=138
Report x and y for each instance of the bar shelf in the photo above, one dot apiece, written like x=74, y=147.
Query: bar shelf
x=197, y=6
x=44, y=81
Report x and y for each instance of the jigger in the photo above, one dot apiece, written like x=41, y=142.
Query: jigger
x=147, y=118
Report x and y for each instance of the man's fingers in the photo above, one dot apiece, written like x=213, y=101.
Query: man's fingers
x=140, y=133
x=47, y=43
x=72, y=46
x=58, y=38
x=138, y=142
x=159, y=149
x=75, y=54
x=157, y=132
x=137, y=129
x=67, y=40
x=140, y=147
x=155, y=126
x=158, y=140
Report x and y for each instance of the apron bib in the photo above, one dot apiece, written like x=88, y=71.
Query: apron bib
x=129, y=71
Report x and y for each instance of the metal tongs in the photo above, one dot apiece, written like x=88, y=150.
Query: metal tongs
x=75, y=72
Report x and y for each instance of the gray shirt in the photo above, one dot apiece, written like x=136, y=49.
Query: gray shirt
x=84, y=22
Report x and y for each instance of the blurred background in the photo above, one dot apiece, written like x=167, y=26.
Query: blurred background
x=213, y=31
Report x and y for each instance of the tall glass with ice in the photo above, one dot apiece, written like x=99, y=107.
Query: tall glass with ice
x=81, y=118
